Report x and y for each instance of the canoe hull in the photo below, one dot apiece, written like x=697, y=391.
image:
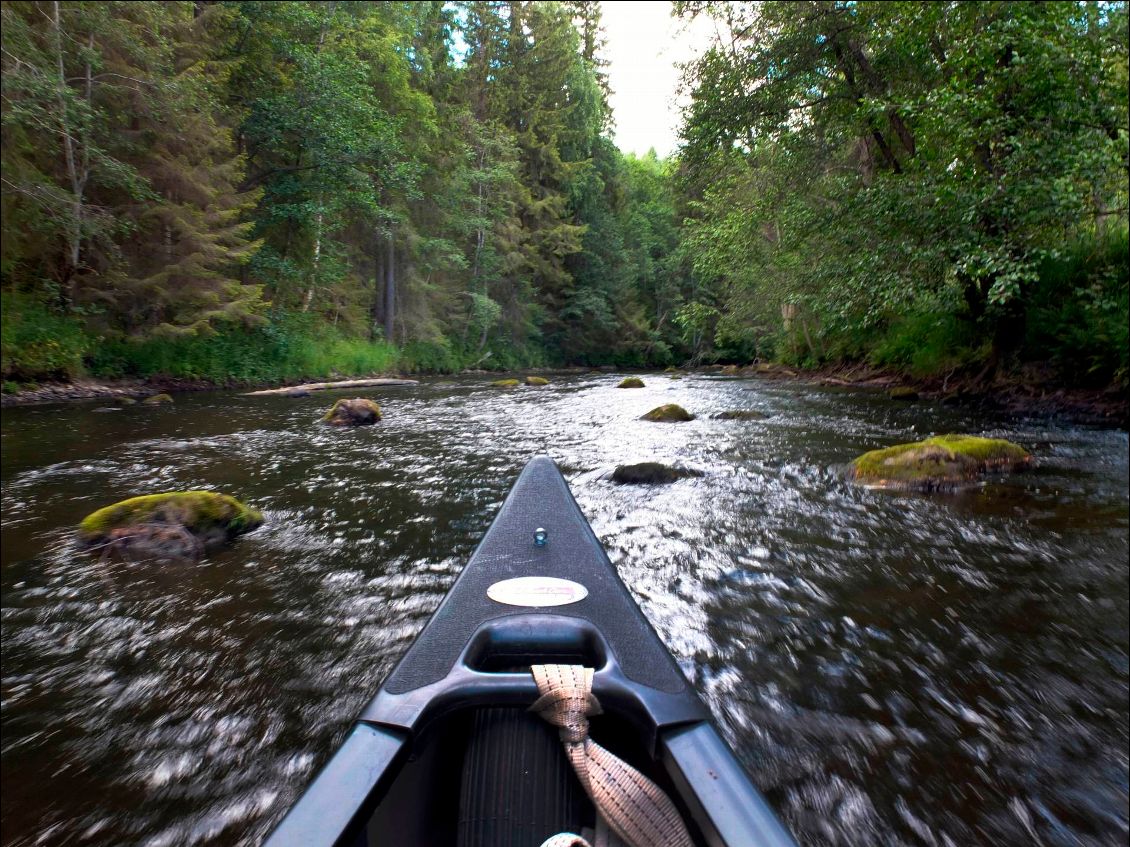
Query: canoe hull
x=475, y=654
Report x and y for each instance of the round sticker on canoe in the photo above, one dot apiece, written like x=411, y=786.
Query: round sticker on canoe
x=537, y=591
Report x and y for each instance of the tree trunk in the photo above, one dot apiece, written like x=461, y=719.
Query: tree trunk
x=390, y=289
x=309, y=298
x=376, y=316
x=77, y=179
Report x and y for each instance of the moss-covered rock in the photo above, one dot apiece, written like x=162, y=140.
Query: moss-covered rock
x=729, y=370
x=945, y=461
x=179, y=524
x=505, y=383
x=668, y=413
x=651, y=473
x=671, y=370
x=124, y=401
x=356, y=412
x=536, y=380
x=903, y=392
x=157, y=400
x=631, y=382
x=738, y=415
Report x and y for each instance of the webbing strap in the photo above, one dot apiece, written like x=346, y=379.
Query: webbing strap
x=635, y=808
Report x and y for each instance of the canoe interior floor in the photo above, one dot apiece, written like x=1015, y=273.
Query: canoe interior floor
x=495, y=777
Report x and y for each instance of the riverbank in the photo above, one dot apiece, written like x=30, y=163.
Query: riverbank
x=1029, y=392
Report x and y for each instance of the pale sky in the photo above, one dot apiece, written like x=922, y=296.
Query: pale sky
x=644, y=46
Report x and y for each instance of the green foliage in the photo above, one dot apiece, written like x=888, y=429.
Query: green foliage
x=249, y=191
x=908, y=172
x=37, y=341
x=430, y=357
x=291, y=348
x=927, y=343
x=1079, y=316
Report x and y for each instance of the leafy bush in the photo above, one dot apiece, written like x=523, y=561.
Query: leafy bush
x=430, y=357
x=1079, y=313
x=36, y=342
x=928, y=343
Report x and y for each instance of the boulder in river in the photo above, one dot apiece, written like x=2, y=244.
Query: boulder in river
x=157, y=400
x=941, y=462
x=505, y=383
x=298, y=392
x=356, y=412
x=631, y=382
x=738, y=415
x=668, y=413
x=729, y=370
x=903, y=392
x=124, y=401
x=176, y=525
x=536, y=380
x=651, y=473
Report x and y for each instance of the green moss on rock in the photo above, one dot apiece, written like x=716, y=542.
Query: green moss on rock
x=536, y=380
x=124, y=401
x=650, y=473
x=206, y=514
x=944, y=461
x=356, y=412
x=631, y=382
x=668, y=413
x=157, y=400
x=505, y=383
x=903, y=392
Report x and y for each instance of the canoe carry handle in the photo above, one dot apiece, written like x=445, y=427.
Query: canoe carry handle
x=513, y=644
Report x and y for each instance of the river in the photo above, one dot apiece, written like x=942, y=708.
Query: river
x=891, y=668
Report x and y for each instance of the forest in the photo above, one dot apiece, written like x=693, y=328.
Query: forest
x=240, y=192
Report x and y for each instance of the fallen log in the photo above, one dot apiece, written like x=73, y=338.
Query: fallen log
x=323, y=386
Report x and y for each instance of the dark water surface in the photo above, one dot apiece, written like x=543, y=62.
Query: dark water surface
x=892, y=669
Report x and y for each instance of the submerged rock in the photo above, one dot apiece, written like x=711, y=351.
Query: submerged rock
x=157, y=400
x=651, y=473
x=355, y=412
x=177, y=525
x=903, y=392
x=536, y=380
x=505, y=383
x=738, y=415
x=945, y=461
x=631, y=382
x=125, y=401
x=668, y=413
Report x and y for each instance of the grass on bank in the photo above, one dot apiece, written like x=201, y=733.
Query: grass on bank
x=39, y=344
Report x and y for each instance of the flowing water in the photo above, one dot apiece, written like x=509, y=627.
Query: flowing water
x=892, y=669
